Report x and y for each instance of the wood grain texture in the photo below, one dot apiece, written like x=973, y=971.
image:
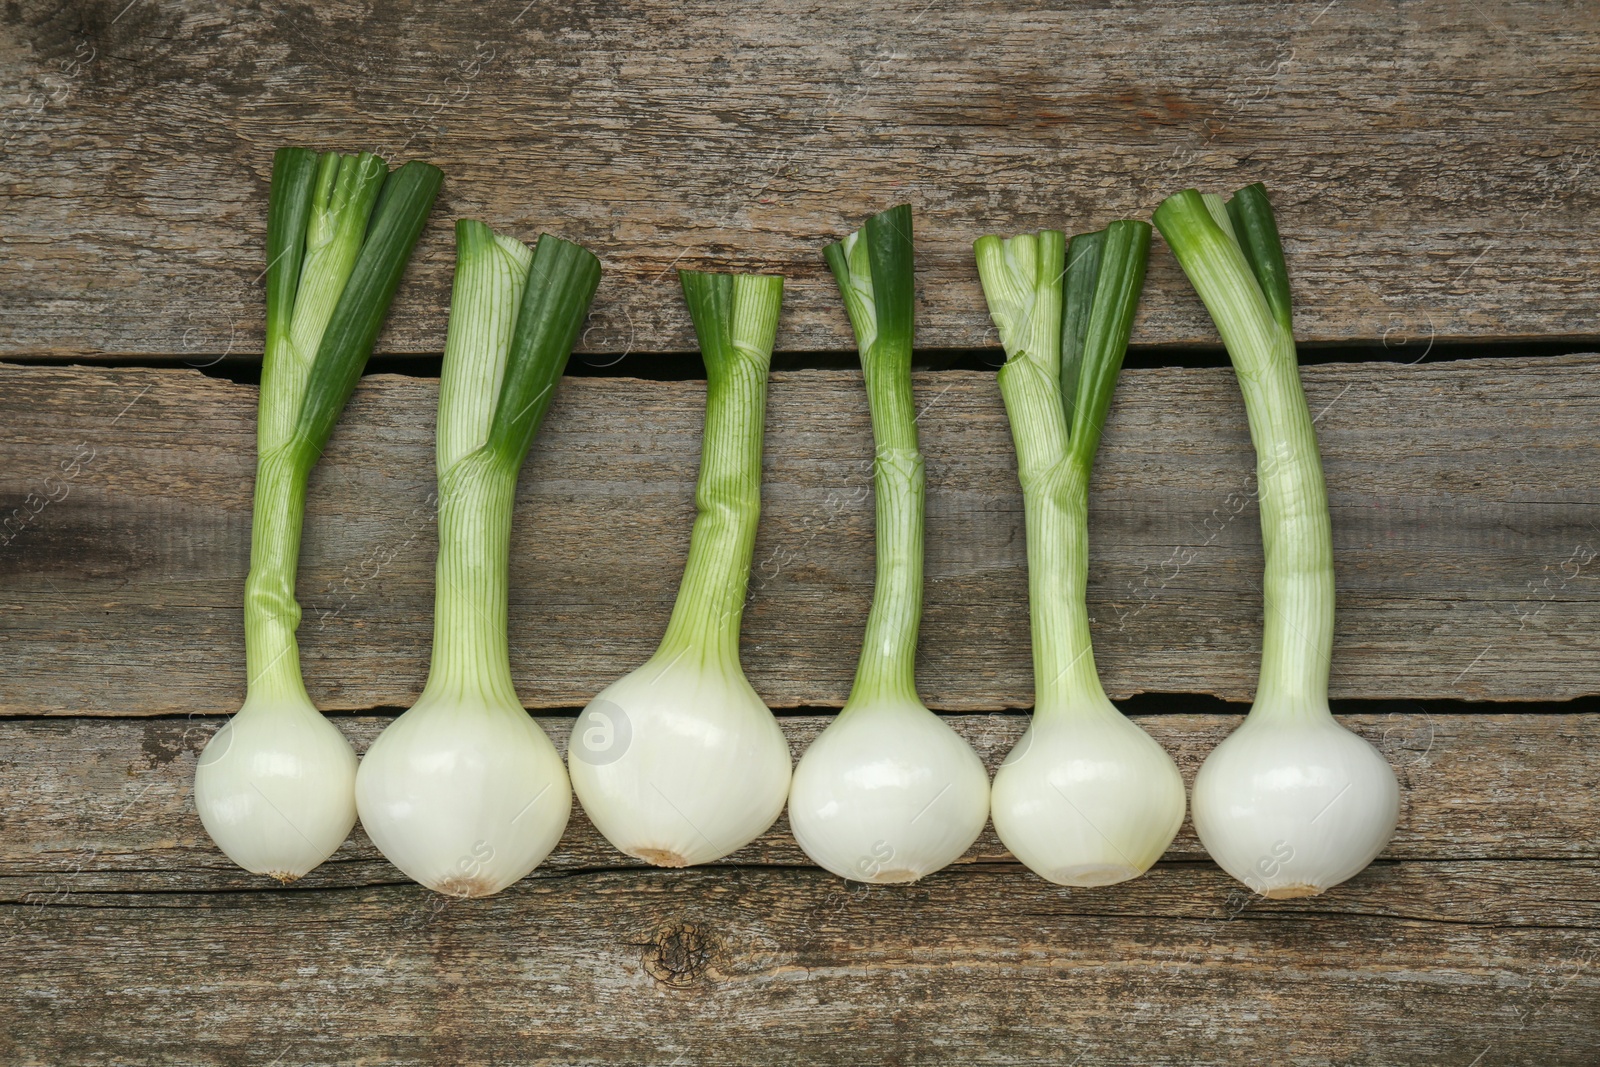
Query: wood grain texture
x=1466, y=519
x=769, y=966
x=1476, y=936
x=1431, y=163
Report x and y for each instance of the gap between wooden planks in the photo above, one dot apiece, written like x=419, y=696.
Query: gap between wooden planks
x=1466, y=525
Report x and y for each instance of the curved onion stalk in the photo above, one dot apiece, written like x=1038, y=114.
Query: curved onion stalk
x=888, y=793
x=680, y=762
x=1292, y=802
x=1086, y=798
x=275, y=786
x=464, y=792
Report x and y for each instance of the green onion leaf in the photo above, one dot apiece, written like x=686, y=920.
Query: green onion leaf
x=1124, y=252
x=326, y=208
x=294, y=172
x=561, y=284
x=1257, y=233
x=397, y=222
x=889, y=249
x=1077, y=300
x=710, y=300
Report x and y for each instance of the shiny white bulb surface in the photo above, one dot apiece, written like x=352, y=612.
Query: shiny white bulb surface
x=465, y=796
x=1087, y=799
x=888, y=793
x=1291, y=806
x=275, y=788
x=679, y=764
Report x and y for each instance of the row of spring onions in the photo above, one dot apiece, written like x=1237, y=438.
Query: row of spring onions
x=680, y=762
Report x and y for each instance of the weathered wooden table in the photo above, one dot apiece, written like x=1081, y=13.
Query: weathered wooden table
x=1433, y=167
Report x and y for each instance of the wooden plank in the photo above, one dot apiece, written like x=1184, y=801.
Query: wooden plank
x=1431, y=163
x=757, y=966
x=755, y=960
x=1475, y=936
x=106, y=805
x=1466, y=519
x=1477, y=928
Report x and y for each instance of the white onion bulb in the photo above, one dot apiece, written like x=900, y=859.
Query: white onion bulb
x=888, y=793
x=464, y=795
x=1292, y=805
x=679, y=763
x=275, y=788
x=1087, y=799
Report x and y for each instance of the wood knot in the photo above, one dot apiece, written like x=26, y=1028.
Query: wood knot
x=679, y=955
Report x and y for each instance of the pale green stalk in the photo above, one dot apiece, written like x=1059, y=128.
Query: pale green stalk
x=1233, y=257
x=1064, y=319
x=736, y=319
x=335, y=256
x=874, y=270
x=1022, y=278
x=471, y=599
x=514, y=316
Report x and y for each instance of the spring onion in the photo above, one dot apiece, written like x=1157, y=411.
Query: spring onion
x=275, y=786
x=464, y=792
x=1086, y=798
x=888, y=792
x=1290, y=803
x=680, y=762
